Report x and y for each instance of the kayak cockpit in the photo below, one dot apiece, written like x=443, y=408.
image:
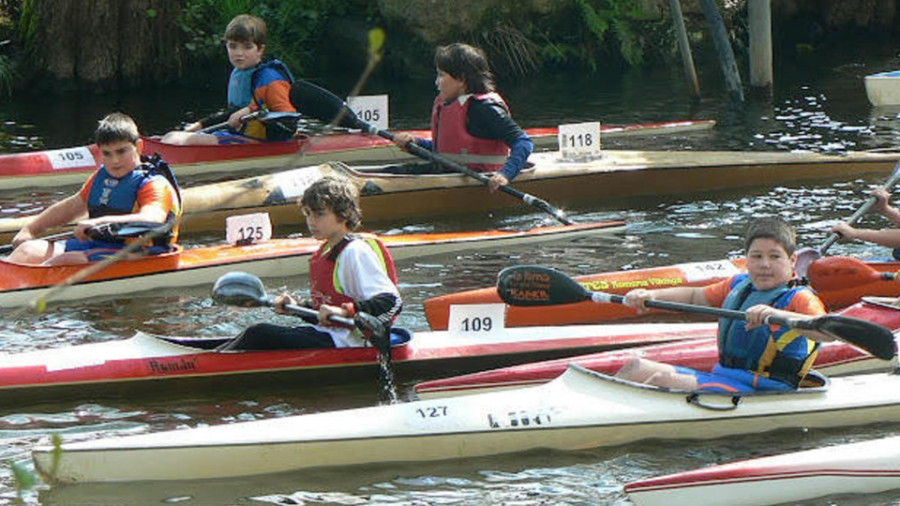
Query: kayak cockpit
x=399, y=337
x=814, y=384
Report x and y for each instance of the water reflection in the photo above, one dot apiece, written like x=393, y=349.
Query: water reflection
x=812, y=112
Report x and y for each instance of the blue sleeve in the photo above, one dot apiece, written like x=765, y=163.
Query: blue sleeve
x=425, y=143
x=519, y=151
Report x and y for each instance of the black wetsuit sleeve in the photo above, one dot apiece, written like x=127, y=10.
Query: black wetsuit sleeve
x=490, y=120
x=383, y=306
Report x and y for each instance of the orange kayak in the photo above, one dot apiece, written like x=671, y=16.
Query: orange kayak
x=839, y=281
x=20, y=284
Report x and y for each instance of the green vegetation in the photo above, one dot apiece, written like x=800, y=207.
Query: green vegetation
x=294, y=28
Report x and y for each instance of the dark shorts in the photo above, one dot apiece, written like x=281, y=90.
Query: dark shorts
x=98, y=250
x=726, y=379
x=266, y=336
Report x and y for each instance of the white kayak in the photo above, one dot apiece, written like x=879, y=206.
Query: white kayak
x=580, y=409
x=857, y=468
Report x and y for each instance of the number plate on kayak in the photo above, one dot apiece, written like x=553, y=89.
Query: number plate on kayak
x=579, y=141
x=294, y=182
x=702, y=271
x=71, y=158
x=248, y=229
x=476, y=319
x=371, y=109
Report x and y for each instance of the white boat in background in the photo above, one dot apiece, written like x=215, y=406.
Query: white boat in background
x=857, y=468
x=884, y=88
x=581, y=409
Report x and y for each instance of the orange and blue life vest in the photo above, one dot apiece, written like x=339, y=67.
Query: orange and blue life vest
x=453, y=140
x=243, y=83
x=782, y=354
x=115, y=196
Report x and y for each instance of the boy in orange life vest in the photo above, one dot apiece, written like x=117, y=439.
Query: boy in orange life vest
x=348, y=274
x=122, y=190
x=752, y=355
x=253, y=85
x=470, y=122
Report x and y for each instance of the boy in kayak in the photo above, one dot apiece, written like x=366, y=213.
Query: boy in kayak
x=124, y=189
x=470, y=121
x=348, y=274
x=255, y=86
x=753, y=355
x=889, y=237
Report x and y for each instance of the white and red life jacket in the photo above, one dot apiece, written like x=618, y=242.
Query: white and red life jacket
x=452, y=140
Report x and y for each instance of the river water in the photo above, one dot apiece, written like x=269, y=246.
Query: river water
x=818, y=105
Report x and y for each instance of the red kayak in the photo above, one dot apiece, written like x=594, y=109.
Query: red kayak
x=69, y=166
x=161, y=365
x=835, y=358
x=839, y=282
x=867, y=467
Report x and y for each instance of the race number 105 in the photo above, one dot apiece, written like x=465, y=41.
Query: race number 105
x=372, y=109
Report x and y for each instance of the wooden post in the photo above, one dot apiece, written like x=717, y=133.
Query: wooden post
x=684, y=48
x=760, y=14
x=723, y=49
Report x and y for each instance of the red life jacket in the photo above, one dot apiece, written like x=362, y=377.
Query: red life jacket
x=451, y=139
x=324, y=286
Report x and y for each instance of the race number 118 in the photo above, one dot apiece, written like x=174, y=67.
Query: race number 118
x=579, y=140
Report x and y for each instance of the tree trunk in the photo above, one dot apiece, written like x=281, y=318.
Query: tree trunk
x=103, y=44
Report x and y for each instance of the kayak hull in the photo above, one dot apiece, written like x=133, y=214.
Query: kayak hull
x=437, y=309
x=70, y=166
x=152, y=364
x=579, y=410
x=618, y=174
x=20, y=284
x=867, y=467
x=835, y=358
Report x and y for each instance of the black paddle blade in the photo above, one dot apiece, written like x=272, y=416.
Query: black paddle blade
x=240, y=289
x=323, y=105
x=534, y=285
x=875, y=339
x=375, y=331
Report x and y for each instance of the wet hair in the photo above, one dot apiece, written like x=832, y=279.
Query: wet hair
x=336, y=194
x=246, y=28
x=116, y=127
x=772, y=228
x=466, y=63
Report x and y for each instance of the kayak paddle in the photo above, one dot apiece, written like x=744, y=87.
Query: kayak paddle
x=323, y=105
x=246, y=290
x=806, y=256
x=106, y=232
x=531, y=285
x=836, y=273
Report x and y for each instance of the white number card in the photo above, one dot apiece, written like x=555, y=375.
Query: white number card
x=703, y=271
x=293, y=183
x=372, y=109
x=71, y=158
x=476, y=318
x=579, y=140
x=245, y=229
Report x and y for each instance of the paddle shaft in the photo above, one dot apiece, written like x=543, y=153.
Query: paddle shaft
x=865, y=208
x=305, y=311
x=529, y=199
x=244, y=119
x=693, y=308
